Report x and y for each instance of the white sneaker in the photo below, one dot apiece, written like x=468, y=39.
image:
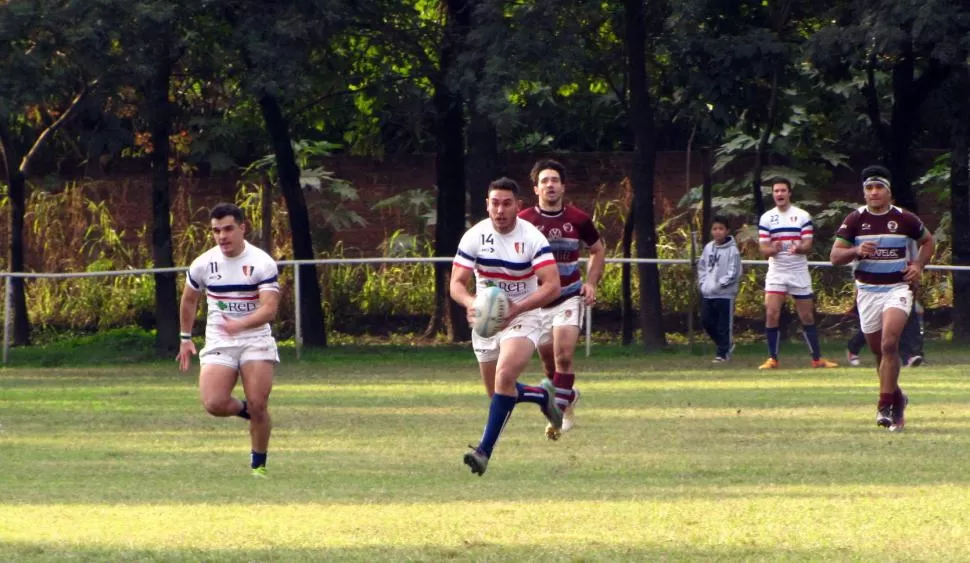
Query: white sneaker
x=914, y=361
x=569, y=415
x=853, y=359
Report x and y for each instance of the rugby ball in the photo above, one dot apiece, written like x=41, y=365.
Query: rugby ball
x=491, y=306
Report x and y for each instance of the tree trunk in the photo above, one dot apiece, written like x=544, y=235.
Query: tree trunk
x=311, y=307
x=960, y=210
x=759, y=155
x=18, y=209
x=17, y=185
x=166, y=296
x=483, y=158
x=905, y=118
x=626, y=282
x=908, y=93
x=644, y=160
x=266, y=214
x=450, y=173
x=707, y=195
x=483, y=165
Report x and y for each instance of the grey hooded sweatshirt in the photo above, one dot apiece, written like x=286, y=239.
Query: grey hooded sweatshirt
x=719, y=270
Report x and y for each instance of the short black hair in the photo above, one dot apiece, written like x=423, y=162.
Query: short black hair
x=779, y=180
x=720, y=219
x=504, y=183
x=547, y=164
x=228, y=210
x=876, y=170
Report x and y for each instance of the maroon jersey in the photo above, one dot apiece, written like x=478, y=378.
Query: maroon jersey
x=892, y=232
x=564, y=229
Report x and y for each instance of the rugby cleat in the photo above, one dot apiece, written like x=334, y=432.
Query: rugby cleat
x=551, y=410
x=770, y=363
x=885, y=415
x=899, y=418
x=476, y=460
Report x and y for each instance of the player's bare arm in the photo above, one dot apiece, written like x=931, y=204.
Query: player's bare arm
x=269, y=304
x=804, y=246
x=769, y=249
x=843, y=253
x=914, y=270
x=548, y=290
x=597, y=261
x=458, y=288
x=187, y=308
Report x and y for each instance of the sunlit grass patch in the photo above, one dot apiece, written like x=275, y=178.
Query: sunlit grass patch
x=695, y=462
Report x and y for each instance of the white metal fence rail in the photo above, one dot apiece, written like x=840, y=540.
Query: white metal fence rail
x=298, y=336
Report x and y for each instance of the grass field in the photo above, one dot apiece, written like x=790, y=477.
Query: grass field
x=672, y=459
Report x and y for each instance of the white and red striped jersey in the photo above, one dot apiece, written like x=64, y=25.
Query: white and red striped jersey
x=508, y=261
x=789, y=227
x=232, y=287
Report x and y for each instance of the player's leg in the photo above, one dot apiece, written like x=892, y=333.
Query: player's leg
x=515, y=349
x=774, y=300
x=257, y=380
x=547, y=351
x=910, y=342
x=216, y=382
x=487, y=371
x=566, y=337
x=894, y=317
x=257, y=363
x=217, y=378
x=855, y=343
x=514, y=355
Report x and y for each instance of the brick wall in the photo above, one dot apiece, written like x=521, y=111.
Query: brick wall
x=592, y=178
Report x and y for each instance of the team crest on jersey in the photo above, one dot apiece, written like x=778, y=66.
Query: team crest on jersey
x=248, y=271
x=892, y=226
x=568, y=227
x=520, y=248
x=792, y=218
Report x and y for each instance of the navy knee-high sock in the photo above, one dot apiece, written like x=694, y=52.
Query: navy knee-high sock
x=771, y=333
x=811, y=336
x=498, y=414
x=530, y=394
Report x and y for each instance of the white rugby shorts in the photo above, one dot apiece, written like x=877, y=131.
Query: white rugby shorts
x=798, y=283
x=236, y=352
x=568, y=313
x=872, y=304
x=525, y=325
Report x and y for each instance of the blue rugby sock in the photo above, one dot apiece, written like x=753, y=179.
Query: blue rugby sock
x=498, y=414
x=257, y=459
x=771, y=333
x=530, y=394
x=811, y=336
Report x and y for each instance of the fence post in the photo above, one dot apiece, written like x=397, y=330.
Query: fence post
x=298, y=333
x=8, y=288
x=589, y=328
